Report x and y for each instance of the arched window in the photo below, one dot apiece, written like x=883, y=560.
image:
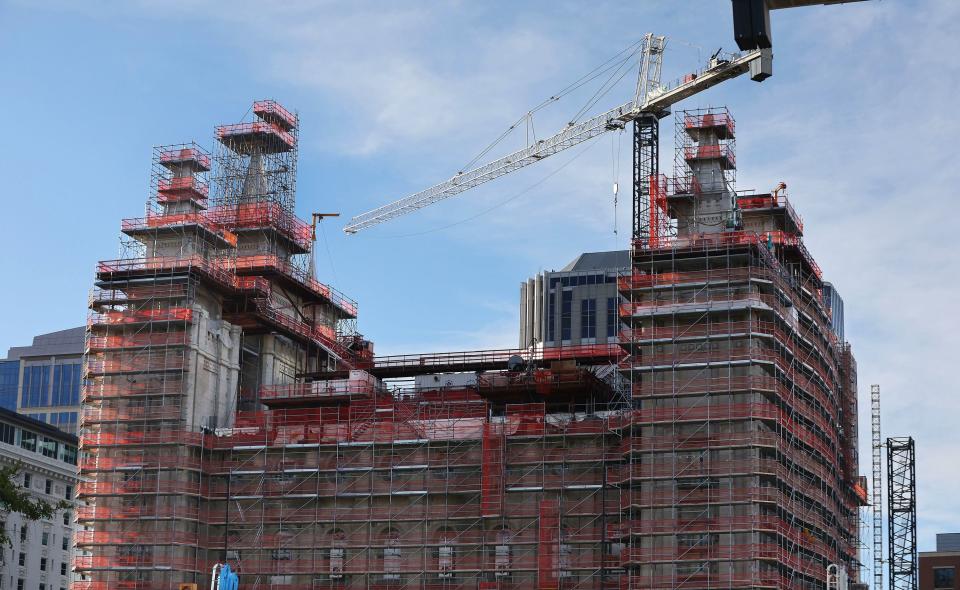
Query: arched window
x=337, y=553
x=392, y=554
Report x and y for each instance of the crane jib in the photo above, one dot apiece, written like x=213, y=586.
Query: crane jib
x=657, y=101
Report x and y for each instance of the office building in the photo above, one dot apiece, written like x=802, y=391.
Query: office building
x=576, y=305
x=43, y=380
x=39, y=554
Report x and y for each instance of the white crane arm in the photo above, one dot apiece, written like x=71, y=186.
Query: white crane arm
x=657, y=101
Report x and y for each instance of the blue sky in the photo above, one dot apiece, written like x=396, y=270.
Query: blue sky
x=859, y=120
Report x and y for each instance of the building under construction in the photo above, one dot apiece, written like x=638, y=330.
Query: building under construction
x=232, y=413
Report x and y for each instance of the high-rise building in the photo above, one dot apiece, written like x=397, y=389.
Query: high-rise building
x=39, y=552
x=233, y=414
x=575, y=305
x=43, y=380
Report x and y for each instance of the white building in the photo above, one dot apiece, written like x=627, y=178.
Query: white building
x=39, y=554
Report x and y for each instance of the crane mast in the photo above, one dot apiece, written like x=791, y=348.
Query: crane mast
x=651, y=99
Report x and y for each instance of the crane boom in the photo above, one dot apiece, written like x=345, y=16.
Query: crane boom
x=657, y=101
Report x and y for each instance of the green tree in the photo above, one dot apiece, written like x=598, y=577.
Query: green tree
x=15, y=498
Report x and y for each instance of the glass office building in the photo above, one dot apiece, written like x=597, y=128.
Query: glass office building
x=576, y=305
x=42, y=380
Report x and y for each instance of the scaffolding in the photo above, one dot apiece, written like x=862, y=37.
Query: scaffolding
x=229, y=416
x=902, y=513
x=741, y=473
x=208, y=304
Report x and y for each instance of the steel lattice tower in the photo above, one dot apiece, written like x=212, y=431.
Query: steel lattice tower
x=876, y=484
x=902, y=513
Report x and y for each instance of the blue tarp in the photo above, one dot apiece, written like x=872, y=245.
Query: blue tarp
x=228, y=579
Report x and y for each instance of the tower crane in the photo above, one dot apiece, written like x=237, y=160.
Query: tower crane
x=650, y=103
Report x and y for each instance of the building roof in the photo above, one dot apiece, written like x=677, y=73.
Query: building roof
x=23, y=421
x=611, y=260
x=62, y=342
x=948, y=541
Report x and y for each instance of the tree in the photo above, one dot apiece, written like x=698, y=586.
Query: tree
x=16, y=498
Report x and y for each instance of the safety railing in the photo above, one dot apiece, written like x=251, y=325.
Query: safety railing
x=273, y=112
x=268, y=262
x=191, y=156
x=182, y=187
x=723, y=152
x=771, y=201
x=692, y=121
x=270, y=135
x=123, y=341
x=119, y=318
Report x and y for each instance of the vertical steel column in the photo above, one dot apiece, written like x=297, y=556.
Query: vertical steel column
x=646, y=163
x=902, y=513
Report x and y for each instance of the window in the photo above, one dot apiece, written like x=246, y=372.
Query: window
x=8, y=434
x=68, y=492
x=28, y=440
x=27, y=480
x=43, y=586
x=564, y=560
x=45, y=538
x=36, y=386
x=445, y=560
x=944, y=577
x=23, y=533
x=588, y=318
x=43, y=564
x=613, y=319
x=48, y=487
x=566, y=311
x=551, y=310
x=49, y=447
x=63, y=569
x=19, y=583
x=66, y=519
x=70, y=451
x=66, y=543
x=445, y=553
x=337, y=553
x=691, y=568
x=501, y=553
x=9, y=381
x=392, y=555
x=22, y=559
x=66, y=385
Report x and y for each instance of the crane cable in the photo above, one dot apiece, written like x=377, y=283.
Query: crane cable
x=589, y=143
x=615, y=63
x=615, y=145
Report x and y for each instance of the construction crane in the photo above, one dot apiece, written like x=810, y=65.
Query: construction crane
x=876, y=447
x=316, y=217
x=650, y=103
